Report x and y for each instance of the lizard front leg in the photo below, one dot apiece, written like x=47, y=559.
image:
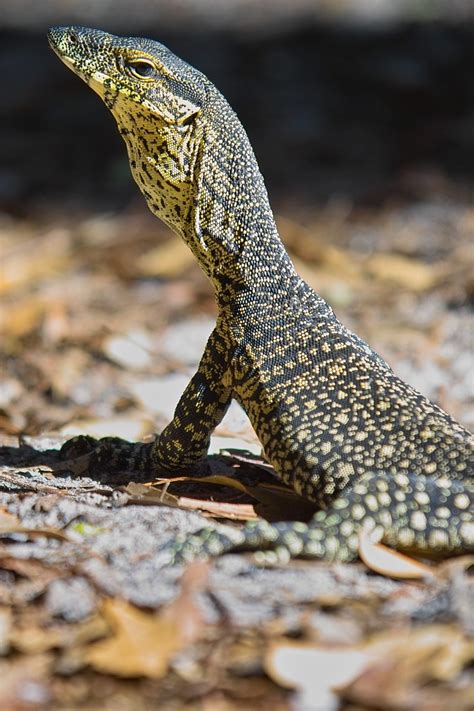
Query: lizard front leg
x=182, y=445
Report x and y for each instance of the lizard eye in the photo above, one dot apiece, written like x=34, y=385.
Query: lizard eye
x=142, y=68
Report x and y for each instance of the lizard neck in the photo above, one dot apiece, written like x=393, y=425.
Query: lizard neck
x=232, y=230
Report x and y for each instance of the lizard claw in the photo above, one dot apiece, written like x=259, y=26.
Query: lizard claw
x=85, y=455
x=78, y=446
x=78, y=466
x=75, y=455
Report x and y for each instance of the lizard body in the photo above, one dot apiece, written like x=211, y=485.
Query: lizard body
x=334, y=420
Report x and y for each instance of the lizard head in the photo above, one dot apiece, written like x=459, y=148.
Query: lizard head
x=188, y=152
x=157, y=100
x=140, y=70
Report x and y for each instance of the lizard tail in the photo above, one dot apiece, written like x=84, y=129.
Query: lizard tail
x=414, y=513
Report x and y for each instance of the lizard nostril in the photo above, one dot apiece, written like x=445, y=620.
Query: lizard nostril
x=73, y=38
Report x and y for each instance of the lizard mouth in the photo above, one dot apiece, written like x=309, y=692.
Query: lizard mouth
x=62, y=40
x=72, y=50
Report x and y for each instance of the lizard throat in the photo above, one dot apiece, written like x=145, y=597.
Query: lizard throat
x=220, y=211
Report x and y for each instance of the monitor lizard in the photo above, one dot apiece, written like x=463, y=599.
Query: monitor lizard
x=336, y=423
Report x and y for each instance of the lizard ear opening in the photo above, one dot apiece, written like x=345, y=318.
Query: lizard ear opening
x=180, y=113
x=186, y=111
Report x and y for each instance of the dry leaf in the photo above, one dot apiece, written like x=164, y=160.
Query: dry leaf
x=404, y=271
x=392, y=671
x=170, y=259
x=32, y=569
x=416, y=670
x=273, y=500
x=183, y=609
x=387, y=561
x=239, y=512
x=141, y=493
x=21, y=319
x=144, y=643
x=25, y=683
x=315, y=671
x=32, y=578
x=8, y=529
x=5, y=627
x=151, y=495
x=7, y=520
x=34, y=639
x=309, y=246
x=26, y=265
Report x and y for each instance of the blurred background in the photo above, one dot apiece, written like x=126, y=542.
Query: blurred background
x=361, y=114
x=360, y=100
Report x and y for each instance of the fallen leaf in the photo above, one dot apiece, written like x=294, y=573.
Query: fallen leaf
x=36, y=640
x=183, y=609
x=30, y=568
x=33, y=639
x=65, y=373
x=219, y=509
x=389, y=562
x=21, y=319
x=332, y=629
x=406, y=272
x=152, y=495
x=5, y=627
x=26, y=265
x=315, y=671
x=415, y=670
x=144, y=643
x=308, y=246
x=7, y=530
x=30, y=579
x=274, y=500
x=170, y=259
x=142, y=494
x=8, y=519
x=25, y=683
x=391, y=671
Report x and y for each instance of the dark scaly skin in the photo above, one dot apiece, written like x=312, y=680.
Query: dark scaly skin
x=334, y=420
